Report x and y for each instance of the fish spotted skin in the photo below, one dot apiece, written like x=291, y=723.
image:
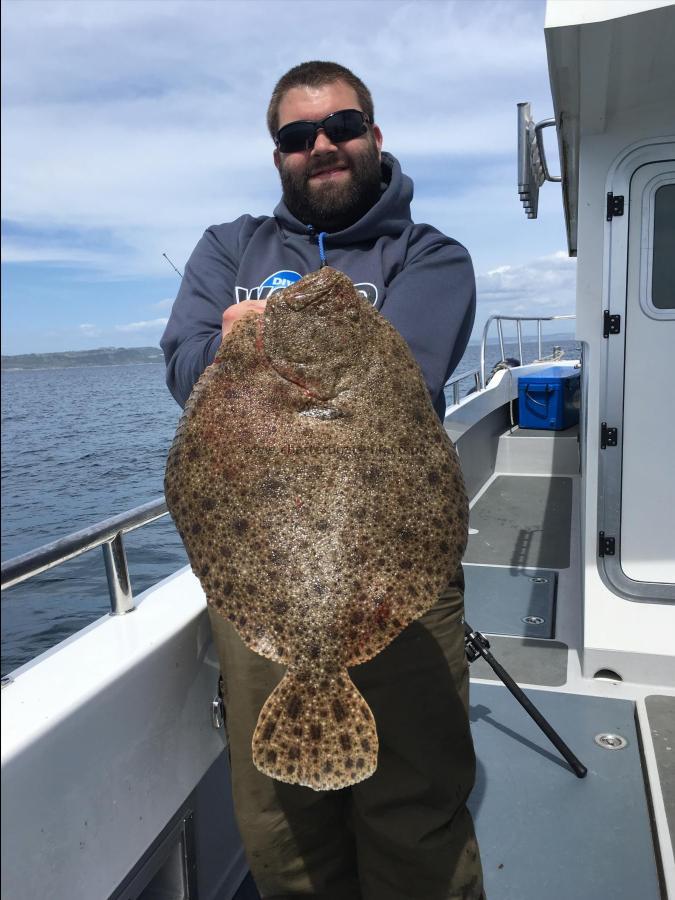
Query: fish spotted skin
x=323, y=509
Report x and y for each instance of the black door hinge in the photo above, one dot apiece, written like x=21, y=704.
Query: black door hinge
x=610, y=324
x=614, y=206
x=606, y=545
x=608, y=436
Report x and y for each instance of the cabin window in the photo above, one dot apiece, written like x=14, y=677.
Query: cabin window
x=663, y=260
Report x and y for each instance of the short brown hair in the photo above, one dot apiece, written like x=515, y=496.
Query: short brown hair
x=316, y=74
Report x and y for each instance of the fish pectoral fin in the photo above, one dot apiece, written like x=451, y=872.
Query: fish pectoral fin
x=316, y=731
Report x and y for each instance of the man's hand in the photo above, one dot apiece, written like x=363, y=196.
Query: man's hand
x=238, y=310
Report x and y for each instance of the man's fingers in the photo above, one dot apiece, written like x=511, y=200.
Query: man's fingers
x=238, y=310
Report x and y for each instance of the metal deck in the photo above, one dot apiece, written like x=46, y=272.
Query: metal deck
x=518, y=602
x=542, y=832
x=522, y=521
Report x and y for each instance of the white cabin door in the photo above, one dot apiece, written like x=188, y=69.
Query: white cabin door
x=647, y=544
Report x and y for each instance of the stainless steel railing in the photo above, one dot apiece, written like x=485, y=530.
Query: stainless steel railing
x=106, y=534
x=456, y=380
x=519, y=329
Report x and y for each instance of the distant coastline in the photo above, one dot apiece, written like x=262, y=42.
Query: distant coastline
x=103, y=356
x=125, y=356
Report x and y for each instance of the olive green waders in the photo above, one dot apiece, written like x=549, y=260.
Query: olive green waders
x=402, y=834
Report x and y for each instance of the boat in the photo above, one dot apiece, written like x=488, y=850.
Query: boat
x=115, y=779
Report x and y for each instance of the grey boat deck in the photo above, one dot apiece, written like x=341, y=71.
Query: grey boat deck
x=542, y=831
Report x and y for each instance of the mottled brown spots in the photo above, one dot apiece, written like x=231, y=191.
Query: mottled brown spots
x=268, y=731
x=270, y=487
x=294, y=752
x=294, y=707
x=375, y=489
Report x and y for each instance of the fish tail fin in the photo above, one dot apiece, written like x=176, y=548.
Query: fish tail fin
x=320, y=735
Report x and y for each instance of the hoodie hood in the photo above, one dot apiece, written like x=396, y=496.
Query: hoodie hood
x=389, y=216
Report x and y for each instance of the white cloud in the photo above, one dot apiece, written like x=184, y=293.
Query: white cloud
x=152, y=325
x=544, y=281
x=146, y=119
x=542, y=287
x=164, y=304
x=87, y=329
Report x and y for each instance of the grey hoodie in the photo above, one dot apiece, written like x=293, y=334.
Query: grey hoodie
x=419, y=279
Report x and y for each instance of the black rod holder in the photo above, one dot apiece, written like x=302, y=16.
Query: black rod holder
x=475, y=645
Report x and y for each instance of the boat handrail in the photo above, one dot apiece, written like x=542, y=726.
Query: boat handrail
x=454, y=383
x=106, y=534
x=498, y=318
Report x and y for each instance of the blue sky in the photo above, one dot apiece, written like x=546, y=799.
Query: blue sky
x=129, y=127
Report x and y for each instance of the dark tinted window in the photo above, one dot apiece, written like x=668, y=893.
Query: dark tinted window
x=663, y=266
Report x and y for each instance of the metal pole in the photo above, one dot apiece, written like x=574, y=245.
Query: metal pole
x=119, y=586
x=476, y=644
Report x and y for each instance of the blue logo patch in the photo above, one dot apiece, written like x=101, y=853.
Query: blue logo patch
x=279, y=280
x=272, y=283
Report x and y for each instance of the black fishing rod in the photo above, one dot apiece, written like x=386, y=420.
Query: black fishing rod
x=475, y=645
x=172, y=265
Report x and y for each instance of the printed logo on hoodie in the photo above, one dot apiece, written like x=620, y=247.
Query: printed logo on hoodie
x=283, y=278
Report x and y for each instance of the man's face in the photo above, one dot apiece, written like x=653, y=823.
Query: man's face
x=332, y=185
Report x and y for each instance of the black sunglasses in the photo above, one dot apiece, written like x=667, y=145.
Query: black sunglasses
x=343, y=125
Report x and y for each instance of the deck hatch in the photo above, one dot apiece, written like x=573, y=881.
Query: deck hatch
x=599, y=827
x=518, y=602
x=522, y=521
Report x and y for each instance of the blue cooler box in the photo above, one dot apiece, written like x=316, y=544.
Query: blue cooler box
x=549, y=399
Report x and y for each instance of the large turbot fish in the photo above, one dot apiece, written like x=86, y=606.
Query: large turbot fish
x=322, y=507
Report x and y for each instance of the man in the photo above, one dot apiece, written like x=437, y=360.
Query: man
x=404, y=833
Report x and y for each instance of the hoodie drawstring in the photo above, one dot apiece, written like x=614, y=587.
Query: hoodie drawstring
x=322, y=251
x=320, y=239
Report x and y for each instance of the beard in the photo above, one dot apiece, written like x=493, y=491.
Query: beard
x=332, y=207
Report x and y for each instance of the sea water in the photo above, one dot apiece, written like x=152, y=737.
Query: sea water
x=80, y=445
